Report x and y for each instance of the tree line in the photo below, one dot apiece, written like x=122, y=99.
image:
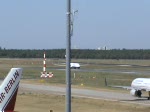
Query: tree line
x=77, y=53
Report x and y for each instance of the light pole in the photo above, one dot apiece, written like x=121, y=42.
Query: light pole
x=68, y=53
x=70, y=20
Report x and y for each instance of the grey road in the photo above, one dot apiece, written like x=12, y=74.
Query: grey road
x=86, y=93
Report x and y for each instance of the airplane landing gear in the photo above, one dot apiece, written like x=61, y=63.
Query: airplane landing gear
x=148, y=95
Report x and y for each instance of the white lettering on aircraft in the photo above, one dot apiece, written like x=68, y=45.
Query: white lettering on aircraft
x=8, y=87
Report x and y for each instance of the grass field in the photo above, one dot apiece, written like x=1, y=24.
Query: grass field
x=32, y=68
x=35, y=102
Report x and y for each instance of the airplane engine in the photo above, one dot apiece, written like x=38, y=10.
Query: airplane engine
x=136, y=93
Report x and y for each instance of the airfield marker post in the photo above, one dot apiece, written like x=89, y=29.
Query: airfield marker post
x=105, y=81
x=74, y=75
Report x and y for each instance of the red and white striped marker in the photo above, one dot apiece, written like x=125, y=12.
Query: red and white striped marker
x=44, y=73
x=44, y=63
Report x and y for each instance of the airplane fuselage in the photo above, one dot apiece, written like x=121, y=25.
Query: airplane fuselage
x=141, y=84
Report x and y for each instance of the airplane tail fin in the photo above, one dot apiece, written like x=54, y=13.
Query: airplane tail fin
x=9, y=89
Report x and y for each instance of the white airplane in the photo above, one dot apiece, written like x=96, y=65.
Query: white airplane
x=137, y=86
x=9, y=89
x=75, y=65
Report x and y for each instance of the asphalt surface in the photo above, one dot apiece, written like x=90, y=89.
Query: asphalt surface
x=123, y=72
x=86, y=93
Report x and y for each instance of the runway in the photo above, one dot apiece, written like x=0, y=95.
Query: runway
x=85, y=93
x=123, y=72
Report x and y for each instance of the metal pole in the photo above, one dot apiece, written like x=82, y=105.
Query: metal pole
x=68, y=53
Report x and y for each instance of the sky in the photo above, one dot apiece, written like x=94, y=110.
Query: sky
x=41, y=24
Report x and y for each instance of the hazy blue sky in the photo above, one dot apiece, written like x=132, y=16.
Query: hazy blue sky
x=41, y=24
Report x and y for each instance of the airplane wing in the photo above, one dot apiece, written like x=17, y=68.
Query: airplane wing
x=130, y=88
x=124, y=87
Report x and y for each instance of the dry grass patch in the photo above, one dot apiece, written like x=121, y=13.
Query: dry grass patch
x=33, y=102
